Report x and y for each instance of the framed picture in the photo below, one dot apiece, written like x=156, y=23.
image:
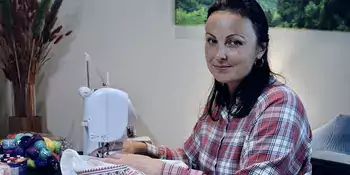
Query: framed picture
x=333, y=15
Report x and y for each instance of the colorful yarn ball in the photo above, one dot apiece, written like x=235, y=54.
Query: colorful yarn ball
x=28, y=134
x=44, y=153
x=39, y=150
x=8, y=151
x=18, y=137
x=18, y=151
x=57, y=145
x=11, y=136
x=49, y=144
x=40, y=144
x=32, y=153
x=8, y=143
x=40, y=163
x=56, y=156
x=36, y=137
x=25, y=142
x=31, y=163
x=53, y=162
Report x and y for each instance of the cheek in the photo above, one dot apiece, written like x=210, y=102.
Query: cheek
x=243, y=61
x=246, y=67
x=209, y=53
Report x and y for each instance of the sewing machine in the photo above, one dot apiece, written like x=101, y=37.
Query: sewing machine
x=106, y=117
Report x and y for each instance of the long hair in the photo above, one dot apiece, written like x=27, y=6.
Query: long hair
x=247, y=92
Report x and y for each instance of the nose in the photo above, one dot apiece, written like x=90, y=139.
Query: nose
x=221, y=54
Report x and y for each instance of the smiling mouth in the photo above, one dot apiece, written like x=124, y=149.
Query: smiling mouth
x=222, y=67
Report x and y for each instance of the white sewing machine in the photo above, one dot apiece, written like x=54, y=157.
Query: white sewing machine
x=107, y=113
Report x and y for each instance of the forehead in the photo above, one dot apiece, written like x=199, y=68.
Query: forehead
x=224, y=23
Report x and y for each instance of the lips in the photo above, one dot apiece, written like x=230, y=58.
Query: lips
x=222, y=66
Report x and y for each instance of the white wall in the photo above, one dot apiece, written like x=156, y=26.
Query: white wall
x=166, y=77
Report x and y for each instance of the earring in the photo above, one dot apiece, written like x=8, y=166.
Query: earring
x=259, y=62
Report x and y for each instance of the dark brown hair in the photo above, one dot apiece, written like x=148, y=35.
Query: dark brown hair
x=242, y=101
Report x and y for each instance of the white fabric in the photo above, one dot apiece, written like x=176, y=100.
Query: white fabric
x=176, y=163
x=72, y=164
x=173, y=162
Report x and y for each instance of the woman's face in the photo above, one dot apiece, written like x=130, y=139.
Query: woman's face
x=231, y=47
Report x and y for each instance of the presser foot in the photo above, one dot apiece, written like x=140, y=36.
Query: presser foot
x=104, y=152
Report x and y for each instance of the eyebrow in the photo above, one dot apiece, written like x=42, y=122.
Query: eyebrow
x=207, y=33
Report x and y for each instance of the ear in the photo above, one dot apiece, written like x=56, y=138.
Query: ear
x=260, y=51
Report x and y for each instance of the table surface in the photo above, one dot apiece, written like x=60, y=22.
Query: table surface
x=49, y=171
x=319, y=167
x=42, y=172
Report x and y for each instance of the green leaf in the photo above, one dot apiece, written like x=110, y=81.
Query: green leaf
x=7, y=15
x=50, y=20
x=39, y=20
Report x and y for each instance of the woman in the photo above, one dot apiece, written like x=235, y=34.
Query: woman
x=252, y=124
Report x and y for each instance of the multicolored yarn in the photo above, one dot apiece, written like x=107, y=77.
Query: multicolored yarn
x=40, y=151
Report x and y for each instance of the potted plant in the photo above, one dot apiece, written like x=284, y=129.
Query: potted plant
x=27, y=33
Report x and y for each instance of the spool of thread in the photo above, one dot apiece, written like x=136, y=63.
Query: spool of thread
x=31, y=163
x=18, y=151
x=36, y=137
x=18, y=137
x=40, y=163
x=32, y=153
x=11, y=136
x=56, y=156
x=28, y=134
x=25, y=142
x=44, y=154
x=58, y=146
x=40, y=144
x=8, y=152
x=49, y=144
x=53, y=162
x=8, y=143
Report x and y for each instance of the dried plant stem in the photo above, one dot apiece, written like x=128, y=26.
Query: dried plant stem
x=16, y=59
x=27, y=32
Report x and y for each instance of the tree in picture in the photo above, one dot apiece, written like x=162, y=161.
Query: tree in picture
x=306, y=14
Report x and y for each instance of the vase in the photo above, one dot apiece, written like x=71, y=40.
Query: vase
x=19, y=124
x=24, y=116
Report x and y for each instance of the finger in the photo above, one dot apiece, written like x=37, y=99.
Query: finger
x=111, y=160
x=93, y=154
x=116, y=146
x=96, y=162
x=115, y=156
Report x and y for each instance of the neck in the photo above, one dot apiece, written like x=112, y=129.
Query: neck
x=232, y=87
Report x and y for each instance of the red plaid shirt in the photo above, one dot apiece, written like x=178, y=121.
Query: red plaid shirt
x=274, y=139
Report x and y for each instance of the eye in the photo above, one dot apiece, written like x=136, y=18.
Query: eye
x=234, y=43
x=211, y=41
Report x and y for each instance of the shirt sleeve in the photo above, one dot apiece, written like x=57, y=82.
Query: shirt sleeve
x=163, y=152
x=169, y=169
x=279, y=142
x=188, y=154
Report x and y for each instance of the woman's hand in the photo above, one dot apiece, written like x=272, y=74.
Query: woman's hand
x=128, y=147
x=141, y=163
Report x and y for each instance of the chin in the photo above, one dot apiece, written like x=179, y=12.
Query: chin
x=224, y=78
x=221, y=79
